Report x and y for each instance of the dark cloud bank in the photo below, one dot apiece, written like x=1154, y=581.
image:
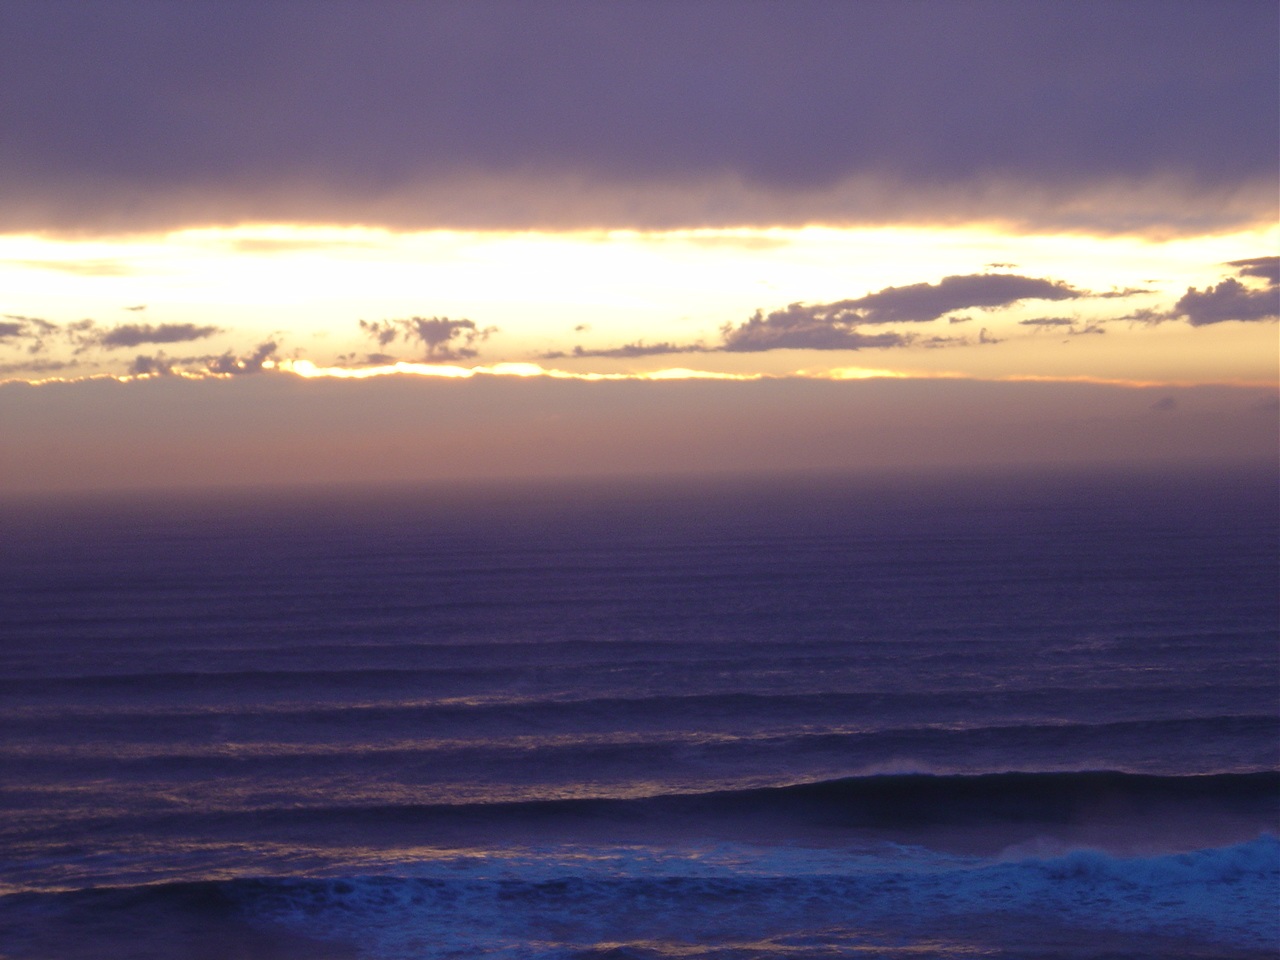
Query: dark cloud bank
x=1148, y=114
x=277, y=429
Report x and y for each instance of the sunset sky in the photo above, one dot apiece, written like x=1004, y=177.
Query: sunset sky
x=246, y=242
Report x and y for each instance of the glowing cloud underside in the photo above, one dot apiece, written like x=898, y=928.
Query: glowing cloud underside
x=308, y=370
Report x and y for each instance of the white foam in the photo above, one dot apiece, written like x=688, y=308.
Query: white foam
x=549, y=903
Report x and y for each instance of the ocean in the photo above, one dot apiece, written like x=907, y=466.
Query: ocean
x=1017, y=715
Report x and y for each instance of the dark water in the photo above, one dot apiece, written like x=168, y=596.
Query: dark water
x=1018, y=716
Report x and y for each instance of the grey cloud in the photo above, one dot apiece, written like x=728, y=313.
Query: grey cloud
x=1228, y=300
x=134, y=334
x=802, y=327
x=570, y=112
x=1165, y=404
x=1149, y=315
x=1266, y=268
x=158, y=365
x=443, y=339
x=228, y=363
x=29, y=331
x=628, y=351
x=1048, y=322
x=30, y=367
x=921, y=302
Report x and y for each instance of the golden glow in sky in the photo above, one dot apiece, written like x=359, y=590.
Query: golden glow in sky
x=615, y=303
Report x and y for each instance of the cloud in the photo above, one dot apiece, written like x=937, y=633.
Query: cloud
x=801, y=327
x=133, y=334
x=1048, y=322
x=628, y=351
x=921, y=302
x=227, y=364
x=152, y=366
x=30, y=367
x=443, y=339
x=1228, y=300
x=1267, y=268
x=836, y=326
x=230, y=365
x=30, y=331
x=1071, y=327
x=573, y=113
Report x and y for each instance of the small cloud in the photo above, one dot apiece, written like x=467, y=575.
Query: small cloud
x=1265, y=268
x=1228, y=300
x=136, y=309
x=144, y=366
x=1165, y=404
x=37, y=366
x=135, y=334
x=444, y=339
x=1068, y=325
x=1047, y=322
x=26, y=331
x=985, y=337
x=921, y=302
x=231, y=365
x=963, y=318
x=628, y=351
x=803, y=327
x=1149, y=316
x=1126, y=292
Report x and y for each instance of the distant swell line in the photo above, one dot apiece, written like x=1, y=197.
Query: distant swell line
x=884, y=801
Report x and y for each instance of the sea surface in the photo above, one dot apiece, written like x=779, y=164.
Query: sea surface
x=1021, y=715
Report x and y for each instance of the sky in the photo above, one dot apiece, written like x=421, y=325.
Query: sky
x=276, y=241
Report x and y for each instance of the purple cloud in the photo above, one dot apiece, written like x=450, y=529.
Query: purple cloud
x=134, y=334
x=921, y=302
x=1266, y=268
x=443, y=339
x=628, y=351
x=801, y=327
x=230, y=364
x=1228, y=300
x=143, y=114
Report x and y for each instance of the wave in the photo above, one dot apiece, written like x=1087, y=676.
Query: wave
x=735, y=902
x=968, y=813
